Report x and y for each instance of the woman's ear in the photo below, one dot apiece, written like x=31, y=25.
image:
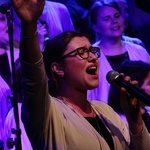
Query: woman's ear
x=57, y=68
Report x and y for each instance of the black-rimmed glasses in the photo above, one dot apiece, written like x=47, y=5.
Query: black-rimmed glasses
x=83, y=52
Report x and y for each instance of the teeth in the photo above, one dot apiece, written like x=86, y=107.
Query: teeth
x=115, y=28
x=92, y=68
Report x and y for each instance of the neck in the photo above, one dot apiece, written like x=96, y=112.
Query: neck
x=112, y=47
x=77, y=100
x=74, y=98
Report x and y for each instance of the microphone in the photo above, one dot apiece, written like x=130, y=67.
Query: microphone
x=113, y=77
x=5, y=7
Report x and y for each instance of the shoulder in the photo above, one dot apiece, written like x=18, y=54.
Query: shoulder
x=54, y=9
x=111, y=117
x=103, y=108
x=137, y=52
x=133, y=40
x=134, y=47
x=55, y=5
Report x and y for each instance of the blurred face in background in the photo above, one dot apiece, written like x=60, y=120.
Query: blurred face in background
x=3, y=30
x=146, y=84
x=146, y=87
x=110, y=23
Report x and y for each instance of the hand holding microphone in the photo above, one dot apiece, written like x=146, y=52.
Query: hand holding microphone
x=114, y=77
x=129, y=99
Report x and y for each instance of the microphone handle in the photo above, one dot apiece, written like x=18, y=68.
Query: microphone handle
x=134, y=91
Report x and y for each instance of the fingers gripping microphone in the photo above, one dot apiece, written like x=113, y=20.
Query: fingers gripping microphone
x=113, y=77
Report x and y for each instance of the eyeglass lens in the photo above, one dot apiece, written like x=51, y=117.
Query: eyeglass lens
x=84, y=52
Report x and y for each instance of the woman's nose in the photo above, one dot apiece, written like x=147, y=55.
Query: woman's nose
x=113, y=20
x=92, y=56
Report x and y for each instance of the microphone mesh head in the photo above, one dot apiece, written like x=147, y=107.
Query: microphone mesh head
x=111, y=76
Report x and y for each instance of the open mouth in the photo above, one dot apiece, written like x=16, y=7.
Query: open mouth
x=115, y=28
x=91, y=70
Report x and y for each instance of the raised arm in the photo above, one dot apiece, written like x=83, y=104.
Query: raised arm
x=29, y=12
x=35, y=103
